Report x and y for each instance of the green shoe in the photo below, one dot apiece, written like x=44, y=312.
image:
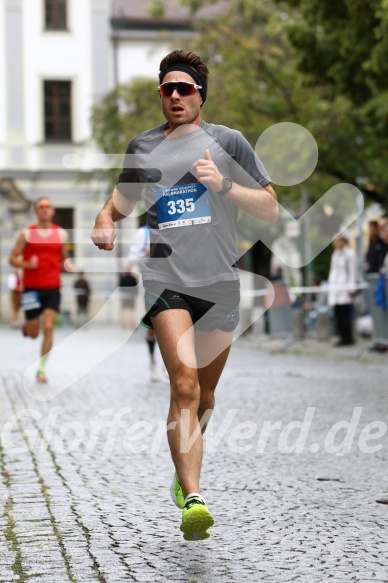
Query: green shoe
x=176, y=492
x=196, y=519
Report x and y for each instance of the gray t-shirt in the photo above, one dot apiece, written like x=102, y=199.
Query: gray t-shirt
x=192, y=229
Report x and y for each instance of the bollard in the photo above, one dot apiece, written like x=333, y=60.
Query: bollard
x=324, y=326
x=298, y=323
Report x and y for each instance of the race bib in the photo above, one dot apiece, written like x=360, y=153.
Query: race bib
x=182, y=205
x=30, y=300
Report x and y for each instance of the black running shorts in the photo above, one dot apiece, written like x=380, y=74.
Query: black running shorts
x=49, y=299
x=222, y=298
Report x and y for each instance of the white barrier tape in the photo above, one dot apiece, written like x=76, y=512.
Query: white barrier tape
x=255, y=293
x=247, y=293
x=105, y=294
x=326, y=288
x=293, y=290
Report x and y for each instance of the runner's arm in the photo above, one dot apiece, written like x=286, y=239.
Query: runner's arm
x=104, y=231
x=15, y=257
x=260, y=203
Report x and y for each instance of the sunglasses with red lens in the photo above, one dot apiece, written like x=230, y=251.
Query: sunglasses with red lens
x=44, y=206
x=183, y=88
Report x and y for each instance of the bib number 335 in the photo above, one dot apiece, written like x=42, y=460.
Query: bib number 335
x=180, y=206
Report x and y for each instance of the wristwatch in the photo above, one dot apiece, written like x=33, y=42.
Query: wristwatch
x=227, y=184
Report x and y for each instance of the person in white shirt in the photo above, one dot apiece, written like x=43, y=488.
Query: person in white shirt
x=342, y=280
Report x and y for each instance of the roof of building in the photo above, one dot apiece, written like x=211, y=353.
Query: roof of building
x=138, y=12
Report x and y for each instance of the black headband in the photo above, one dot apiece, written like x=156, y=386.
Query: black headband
x=186, y=69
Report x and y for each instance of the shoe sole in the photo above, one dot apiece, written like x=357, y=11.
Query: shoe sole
x=173, y=495
x=194, y=526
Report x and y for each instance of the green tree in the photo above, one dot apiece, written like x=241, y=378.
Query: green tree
x=123, y=113
x=342, y=52
x=343, y=46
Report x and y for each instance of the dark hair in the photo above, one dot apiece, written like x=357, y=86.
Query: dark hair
x=189, y=58
x=374, y=224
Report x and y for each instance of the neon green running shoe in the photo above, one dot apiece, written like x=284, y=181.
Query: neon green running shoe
x=196, y=519
x=176, y=492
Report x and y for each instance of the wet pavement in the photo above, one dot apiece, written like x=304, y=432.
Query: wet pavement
x=295, y=461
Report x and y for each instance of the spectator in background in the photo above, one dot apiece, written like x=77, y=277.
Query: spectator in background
x=15, y=286
x=83, y=291
x=127, y=284
x=384, y=235
x=377, y=249
x=342, y=281
x=278, y=275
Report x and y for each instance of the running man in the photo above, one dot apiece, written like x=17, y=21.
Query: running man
x=40, y=250
x=195, y=176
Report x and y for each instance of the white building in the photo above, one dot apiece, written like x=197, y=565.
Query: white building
x=57, y=58
x=140, y=40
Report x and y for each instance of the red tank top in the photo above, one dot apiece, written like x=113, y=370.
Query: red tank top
x=48, y=250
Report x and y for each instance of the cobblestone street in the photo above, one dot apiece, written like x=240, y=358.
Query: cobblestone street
x=86, y=474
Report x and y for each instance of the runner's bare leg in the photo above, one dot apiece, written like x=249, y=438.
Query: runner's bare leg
x=31, y=328
x=49, y=317
x=208, y=376
x=170, y=326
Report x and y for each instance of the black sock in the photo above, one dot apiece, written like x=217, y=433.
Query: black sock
x=151, y=345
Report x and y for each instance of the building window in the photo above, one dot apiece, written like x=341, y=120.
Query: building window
x=57, y=111
x=55, y=14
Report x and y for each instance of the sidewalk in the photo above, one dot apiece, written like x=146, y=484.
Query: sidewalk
x=311, y=347
x=86, y=468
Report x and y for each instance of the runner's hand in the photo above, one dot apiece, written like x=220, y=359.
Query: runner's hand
x=31, y=263
x=104, y=232
x=69, y=266
x=206, y=171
